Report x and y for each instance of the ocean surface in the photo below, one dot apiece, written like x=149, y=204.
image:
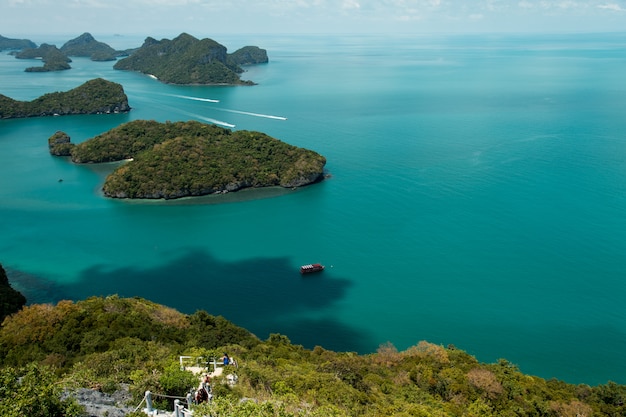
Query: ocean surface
x=476, y=196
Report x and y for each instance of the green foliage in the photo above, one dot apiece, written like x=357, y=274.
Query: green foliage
x=92, y=97
x=59, y=144
x=52, y=57
x=86, y=45
x=172, y=160
x=176, y=381
x=71, y=332
x=184, y=60
x=32, y=391
x=275, y=377
x=10, y=300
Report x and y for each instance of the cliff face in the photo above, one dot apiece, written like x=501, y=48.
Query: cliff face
x=185, y=60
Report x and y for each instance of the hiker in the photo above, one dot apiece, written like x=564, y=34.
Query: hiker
x=226, y=359
x=203, y=393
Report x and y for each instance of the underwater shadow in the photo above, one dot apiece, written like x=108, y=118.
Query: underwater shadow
x=264, y=295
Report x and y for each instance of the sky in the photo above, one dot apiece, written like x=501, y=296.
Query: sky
x=168, y=18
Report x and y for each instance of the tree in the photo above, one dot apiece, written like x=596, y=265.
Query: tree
x=33, y=391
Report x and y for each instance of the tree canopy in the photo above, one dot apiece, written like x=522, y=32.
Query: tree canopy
x=92, y=97
x=172, y=160
x=104, y=342
x=187, y=60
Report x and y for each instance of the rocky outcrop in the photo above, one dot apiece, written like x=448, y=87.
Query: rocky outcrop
x=249, y=55
x=59, y=144
x=100, y=404
x=304, y=179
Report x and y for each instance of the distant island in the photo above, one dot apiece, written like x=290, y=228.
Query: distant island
x=8, y=43
x=187, y=60
x=173, y=160
x=56, y=59
x=53, y=59
x=85, y=45
x=93, y=97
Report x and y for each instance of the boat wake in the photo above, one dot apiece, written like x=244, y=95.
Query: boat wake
x=267, y=116
x=211, y=120
x=209, y=100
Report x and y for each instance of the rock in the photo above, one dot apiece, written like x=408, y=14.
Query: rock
x=100, y=404
x=60, y=144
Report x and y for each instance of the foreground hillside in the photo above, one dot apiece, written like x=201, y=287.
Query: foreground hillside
x=103, y=343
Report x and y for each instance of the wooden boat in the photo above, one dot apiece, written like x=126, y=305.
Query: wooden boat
x=310, y=268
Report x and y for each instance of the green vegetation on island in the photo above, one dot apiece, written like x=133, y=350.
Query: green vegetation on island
x=93, y=97
x=187, y=60
x=85, y=45
x=53, y=59
x=109, y=343
x=8, y=43
x=172, y=160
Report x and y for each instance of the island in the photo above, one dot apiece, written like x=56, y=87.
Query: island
x=86, y=46
x=8, y=43
x=97, y=96
x=53, y=59
x=188, y=60
x=181, y=159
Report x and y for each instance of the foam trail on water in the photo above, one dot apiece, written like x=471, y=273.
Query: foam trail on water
x=210, y=100
x=267, y=116
x=210, y=120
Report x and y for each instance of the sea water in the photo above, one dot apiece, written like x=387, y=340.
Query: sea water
x=476, y=196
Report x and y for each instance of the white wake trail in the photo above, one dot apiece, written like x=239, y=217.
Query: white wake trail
x=267, y=116
x=210, y=120
x=209, y=100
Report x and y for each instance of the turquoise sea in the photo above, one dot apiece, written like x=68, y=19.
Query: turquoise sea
x=476, y=197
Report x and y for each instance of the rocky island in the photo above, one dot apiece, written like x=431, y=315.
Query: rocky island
x=179, y=159
x=9, y=43
x=85, y=45
x=187, y=60
x=93, y=97
x=53, y=59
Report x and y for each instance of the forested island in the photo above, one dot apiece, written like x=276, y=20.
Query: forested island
x=85, y=45
x=187, y=60
x=53, y=59
x=50, y=355
x=180, y=159
x=96, y=96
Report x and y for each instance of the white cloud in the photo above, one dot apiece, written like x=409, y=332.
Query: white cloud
x=614, y=7
x=350, y=4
